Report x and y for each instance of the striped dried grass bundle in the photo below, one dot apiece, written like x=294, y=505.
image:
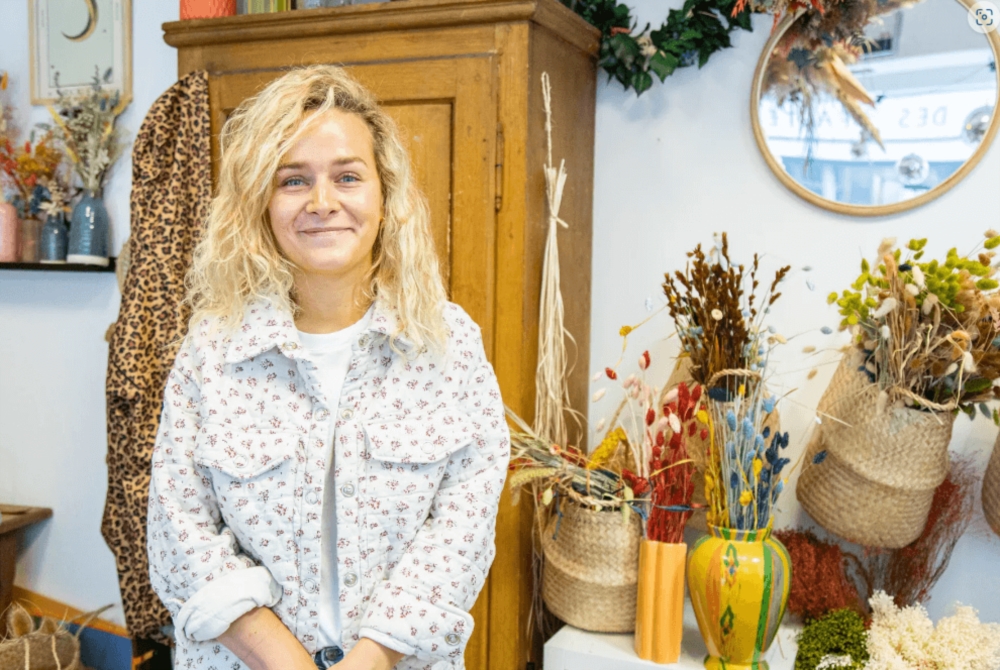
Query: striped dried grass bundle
x=928, y=330
x=719, y=315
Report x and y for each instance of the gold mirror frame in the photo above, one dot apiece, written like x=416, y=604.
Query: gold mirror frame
x=865, y=210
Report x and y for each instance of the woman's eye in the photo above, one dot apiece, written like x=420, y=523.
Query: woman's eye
x=350, y=178
x=294, y=181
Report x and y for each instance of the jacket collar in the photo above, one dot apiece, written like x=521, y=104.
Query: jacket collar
x=268, y=326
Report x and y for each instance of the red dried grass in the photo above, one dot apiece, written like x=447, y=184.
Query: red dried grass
x=819, y=576
x=825, y=577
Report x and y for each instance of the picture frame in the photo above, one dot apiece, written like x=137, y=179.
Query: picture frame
x=72, y=41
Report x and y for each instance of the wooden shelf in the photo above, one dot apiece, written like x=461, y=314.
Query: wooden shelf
x=59, y=267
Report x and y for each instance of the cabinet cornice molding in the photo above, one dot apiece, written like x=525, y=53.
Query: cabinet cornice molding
x=382, y=17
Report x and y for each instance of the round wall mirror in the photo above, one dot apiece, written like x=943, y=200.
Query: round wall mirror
x=878, y=119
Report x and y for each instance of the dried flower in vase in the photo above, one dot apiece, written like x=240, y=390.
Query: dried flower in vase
x=928, y=330
x=720, y=322
x=85, y=124
x=27, y=169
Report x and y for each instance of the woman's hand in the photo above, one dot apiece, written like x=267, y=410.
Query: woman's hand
x=262, y=642
x=369, y=655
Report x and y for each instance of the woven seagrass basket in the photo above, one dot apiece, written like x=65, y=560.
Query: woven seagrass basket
x=991, y=489
x=591, y=568
x=870, y=476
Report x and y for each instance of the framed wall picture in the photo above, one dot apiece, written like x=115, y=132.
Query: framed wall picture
x=72, y=41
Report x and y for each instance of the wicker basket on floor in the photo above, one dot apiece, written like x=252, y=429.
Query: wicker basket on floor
x=870, y=477
x=591, y=568
x=991, y=489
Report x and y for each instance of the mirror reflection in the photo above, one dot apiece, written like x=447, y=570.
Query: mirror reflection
x=883, y=113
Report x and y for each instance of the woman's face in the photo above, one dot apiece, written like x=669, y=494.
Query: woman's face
x=327, y=202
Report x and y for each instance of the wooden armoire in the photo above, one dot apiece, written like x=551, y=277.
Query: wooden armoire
x=463, y=80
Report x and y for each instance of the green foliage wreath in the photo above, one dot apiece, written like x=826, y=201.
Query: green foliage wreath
x=690, y=35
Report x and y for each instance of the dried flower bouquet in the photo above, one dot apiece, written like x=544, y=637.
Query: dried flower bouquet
x=85, y=124
x=720, y=322
x=927, y=330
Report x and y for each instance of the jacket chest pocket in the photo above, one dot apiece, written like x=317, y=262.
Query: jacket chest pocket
x=253, y=474
x=406, y=461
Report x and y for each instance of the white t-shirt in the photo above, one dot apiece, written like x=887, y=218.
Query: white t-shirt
x=331, y=352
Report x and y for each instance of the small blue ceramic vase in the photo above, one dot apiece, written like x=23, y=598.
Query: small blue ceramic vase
x=88, y=232
x=55, y=240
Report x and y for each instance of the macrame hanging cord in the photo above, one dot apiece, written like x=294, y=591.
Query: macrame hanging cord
x=551, y=385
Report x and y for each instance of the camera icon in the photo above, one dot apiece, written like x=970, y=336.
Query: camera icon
x=984, y=17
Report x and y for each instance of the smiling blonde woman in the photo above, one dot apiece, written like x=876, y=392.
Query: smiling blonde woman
x=332, y=446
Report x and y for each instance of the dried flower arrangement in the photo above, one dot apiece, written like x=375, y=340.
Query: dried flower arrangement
x=907, y=638
x=838, y=639
x=827, y=577
x=927, y=329
x=820, y=582
x=719, y=319
x=85, y=125
x=30, y=172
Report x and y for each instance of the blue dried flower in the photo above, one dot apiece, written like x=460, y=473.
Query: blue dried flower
x=734, y=481
x=778, y=488
x=747, y=429
x=772, y=330
x=731, y=451
x=779, y=465
x=826, y=330
x=731, y=420
x=769, y=404
x=819, y=457
x=767, y=432
x=758, y=442
x=719, y=394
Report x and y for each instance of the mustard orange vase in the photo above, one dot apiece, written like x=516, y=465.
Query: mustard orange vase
x=659, y=616
x=739, y=581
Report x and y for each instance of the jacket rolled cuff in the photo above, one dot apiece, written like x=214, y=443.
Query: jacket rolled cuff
x=432, y=631
x=388, y=642
x=220, y=602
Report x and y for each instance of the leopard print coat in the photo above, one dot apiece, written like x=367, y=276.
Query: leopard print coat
x=171, y=191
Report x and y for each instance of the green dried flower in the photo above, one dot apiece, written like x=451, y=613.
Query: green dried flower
x=839, y=633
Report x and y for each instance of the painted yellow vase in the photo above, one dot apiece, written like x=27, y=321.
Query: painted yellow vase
x=739, y=581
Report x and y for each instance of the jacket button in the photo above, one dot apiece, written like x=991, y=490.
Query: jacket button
x=350, y=579
x=310, y=586
x=347, y=414
x=363, y=342
x=312, y=498
x=292, y=346
x=427, y=447
x=452, y=639
x=347, y=490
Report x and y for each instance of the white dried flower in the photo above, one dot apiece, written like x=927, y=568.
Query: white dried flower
x=912, y=289
x=887, y=306
x=968, y=363
x=918, y=276
x=887, y=244
x=675, y=423
x=951, y=369
x=717, y=314
x=598, y=395
x=600, y=425
x=929, y=303
x=646, y=46
x=597, y=376
x=885, y=332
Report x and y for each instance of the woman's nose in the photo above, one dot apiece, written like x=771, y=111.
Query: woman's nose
x=323, y=198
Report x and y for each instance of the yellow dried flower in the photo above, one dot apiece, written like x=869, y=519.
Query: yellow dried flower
x=607, y=448
x=746, y=498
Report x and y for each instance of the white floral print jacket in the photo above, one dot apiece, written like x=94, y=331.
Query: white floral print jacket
x=420, y=457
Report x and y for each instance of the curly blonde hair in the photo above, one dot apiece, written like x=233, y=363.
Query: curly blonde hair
x=238, y=259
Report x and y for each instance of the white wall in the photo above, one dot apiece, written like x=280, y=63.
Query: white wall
x=680, y=163
x=53, y=355
x=672, y=167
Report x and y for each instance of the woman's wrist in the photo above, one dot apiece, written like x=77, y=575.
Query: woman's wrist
x=262, y=642
x=368, y=654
